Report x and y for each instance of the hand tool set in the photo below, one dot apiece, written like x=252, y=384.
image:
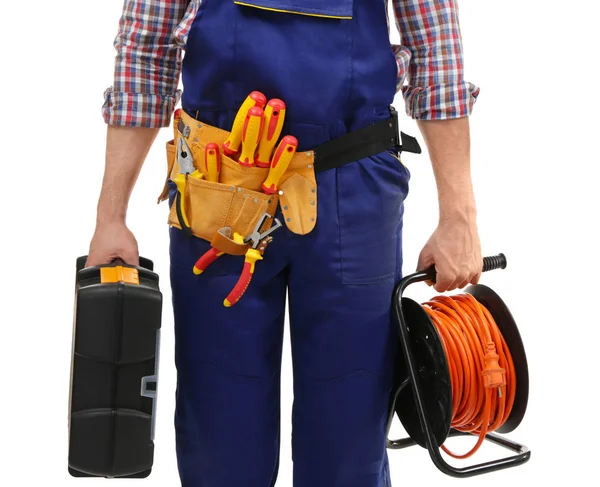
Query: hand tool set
x=462, y=370
x=252, y=143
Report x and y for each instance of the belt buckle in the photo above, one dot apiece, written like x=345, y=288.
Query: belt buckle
x=394, y=125
x=402, y=141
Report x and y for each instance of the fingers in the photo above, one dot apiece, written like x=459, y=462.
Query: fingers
x=130, y=257
x=458, y=278
x=425, y=261
x=444, y=282
x=111, y=243
x=475, y=279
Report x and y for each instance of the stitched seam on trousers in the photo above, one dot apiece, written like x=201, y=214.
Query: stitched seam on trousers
x=368, y=280
x=361, y=372
x=244, y=376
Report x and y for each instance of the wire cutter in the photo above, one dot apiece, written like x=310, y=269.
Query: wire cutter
x=186, y=169
x=257, y=242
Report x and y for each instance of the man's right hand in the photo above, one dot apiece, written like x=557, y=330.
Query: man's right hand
x=113, y=241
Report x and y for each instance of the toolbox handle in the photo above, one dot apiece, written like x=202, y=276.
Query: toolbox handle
x=144, y=263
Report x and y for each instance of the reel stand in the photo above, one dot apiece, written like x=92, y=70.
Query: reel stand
x=425, y=408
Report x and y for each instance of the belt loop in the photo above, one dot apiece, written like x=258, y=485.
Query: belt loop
x=197, y=112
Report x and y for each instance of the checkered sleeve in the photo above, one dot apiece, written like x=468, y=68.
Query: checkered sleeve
x=430, y=60
x=149, y=47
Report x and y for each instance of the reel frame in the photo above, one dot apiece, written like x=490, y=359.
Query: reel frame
x=425, y=408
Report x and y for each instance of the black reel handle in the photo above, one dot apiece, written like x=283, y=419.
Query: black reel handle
x=494, y=262
x=490, y=263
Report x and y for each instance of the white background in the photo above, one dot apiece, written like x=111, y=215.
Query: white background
x=535, y=168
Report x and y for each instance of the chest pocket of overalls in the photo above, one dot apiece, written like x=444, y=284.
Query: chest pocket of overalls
x=336, y=9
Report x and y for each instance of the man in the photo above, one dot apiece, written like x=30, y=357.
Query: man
x=332, y=63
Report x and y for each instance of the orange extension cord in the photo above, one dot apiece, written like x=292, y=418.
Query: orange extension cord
x=481, y=367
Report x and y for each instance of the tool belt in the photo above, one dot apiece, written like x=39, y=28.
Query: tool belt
x=237, y=203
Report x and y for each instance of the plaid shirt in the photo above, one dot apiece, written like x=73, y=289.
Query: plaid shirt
x=153, y=33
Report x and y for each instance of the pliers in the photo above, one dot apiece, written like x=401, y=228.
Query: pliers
x=186, y=169
x=257, y=242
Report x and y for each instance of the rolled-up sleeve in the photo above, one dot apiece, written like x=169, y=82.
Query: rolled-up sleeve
x=149, y=48
x=431, y=37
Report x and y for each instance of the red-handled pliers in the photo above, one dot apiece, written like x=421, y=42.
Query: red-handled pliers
x=258, y=243
x=207, y=259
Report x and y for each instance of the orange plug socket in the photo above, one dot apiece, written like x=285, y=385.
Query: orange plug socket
x=493, y=374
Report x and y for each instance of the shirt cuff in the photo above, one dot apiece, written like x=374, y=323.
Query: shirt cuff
x=138, y=109
x=441, y=102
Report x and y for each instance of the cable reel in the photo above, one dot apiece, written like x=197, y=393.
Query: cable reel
x=436, y=395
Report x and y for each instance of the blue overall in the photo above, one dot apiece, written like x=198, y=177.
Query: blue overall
x=335, y=76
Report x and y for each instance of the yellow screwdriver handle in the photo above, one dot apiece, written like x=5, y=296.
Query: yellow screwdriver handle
x=274, y=118
x=213, y=162
x=251, y=138
x=232, y=145
x=280, y=163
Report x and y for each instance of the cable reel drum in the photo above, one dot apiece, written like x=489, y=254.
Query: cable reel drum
x=423, y=398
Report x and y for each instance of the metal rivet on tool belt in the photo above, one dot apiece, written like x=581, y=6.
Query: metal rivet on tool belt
x=312, y=203
x=288, y=220
x=255, y=200
x=239, y=189
x=199, y=125
x=285, y=207
x=280, y=193
x=314, y=190
x=310, y=166
x=312, y=219
x=196, y=140
x=309, y=154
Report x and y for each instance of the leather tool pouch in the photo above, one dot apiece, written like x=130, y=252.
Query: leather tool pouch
x=237, y=201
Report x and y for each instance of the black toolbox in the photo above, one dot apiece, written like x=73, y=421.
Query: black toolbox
x=114, y=370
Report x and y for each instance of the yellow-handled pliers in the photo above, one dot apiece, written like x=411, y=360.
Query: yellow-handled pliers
x=186, y=169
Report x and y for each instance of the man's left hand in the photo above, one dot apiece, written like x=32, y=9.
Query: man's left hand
x=455, y=250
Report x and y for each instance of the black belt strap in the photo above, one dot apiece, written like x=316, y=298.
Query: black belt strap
x=361, y=143
x=365, y=142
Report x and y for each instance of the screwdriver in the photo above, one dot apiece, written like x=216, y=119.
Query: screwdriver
x=251, y=136
x=280, y=163
x=213, y=162
x=232, y=145
x=176, y=117
x=274, y=117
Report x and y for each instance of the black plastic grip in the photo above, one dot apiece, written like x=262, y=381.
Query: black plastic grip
x=494, y=262
x=489, y=264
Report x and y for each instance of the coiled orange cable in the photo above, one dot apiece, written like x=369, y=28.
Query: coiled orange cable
x=481, y=367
